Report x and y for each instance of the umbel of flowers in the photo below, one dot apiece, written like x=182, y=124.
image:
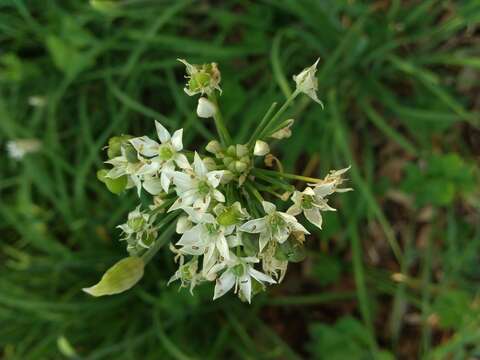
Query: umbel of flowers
x=220, y=200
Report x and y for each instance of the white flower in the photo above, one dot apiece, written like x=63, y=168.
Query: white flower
x=202, y=79
x=239, y=272
x=197, y=187
x=207, y=237
x=138, y=231
x=187, y=274
x=275, y=226
x=330, y=183
x=310, y=204
x=312, y=201
x=162, y=157
x=17, y=149
x=128, y=163
x=307, y=83
x=205, y=108
x=271, y=265
x=261, y=148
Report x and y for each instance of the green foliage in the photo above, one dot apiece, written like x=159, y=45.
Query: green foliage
x=346, y=339
x=392, y=78
x=327, y=269
x=440, y=179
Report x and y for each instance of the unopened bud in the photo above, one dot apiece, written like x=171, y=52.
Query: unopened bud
x=241, y=150
x=213, y=147
x=261, y=148
x=205, y=108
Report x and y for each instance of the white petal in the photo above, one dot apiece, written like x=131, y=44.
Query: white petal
x=178, y=204
x=191, y=236
x=148, y=168
x=254, y=226
x=177, y=140
x=116, y=172
x=222, y=247
x=145, y=146
x=182, y=181
x=268, y=207
x=260, y=277
x=234, y=240
x=183, y=224
x=165, y=180
x=162, y=133
x=314, y=216
x=153, y=186
x=181, y=161
x=138, y=184
x=202, y=203
x=294, y=210
x=265, y=237
x=199, y=167
x=210, y=258
x=326, y=189
x=214, y=177
x=224, y=283
x=281, y=235
x=218, y=196
x=246, y=287
x=296, y=226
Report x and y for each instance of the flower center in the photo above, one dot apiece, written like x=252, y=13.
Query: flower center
x=211, y=228
x=136, y=224
x=307, y=202
x=276, y=222
x=165, y=152
x=203, y=187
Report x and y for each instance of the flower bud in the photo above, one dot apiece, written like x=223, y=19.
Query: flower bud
x=130, y=153
x=261, y=148
x=210, y=163
x=241, y=150
x=115, y=144
x=227, y=177
x=205, y=108
x=213, y=147
x=116, y=185
x=240, y=166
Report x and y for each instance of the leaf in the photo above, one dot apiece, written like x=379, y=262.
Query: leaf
x=119, y=278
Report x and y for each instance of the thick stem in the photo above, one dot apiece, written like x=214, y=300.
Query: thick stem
x=222, y=131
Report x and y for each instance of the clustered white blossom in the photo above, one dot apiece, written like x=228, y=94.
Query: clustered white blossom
x=229, y=230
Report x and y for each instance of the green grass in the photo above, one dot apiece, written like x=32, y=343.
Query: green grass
x=396, y=81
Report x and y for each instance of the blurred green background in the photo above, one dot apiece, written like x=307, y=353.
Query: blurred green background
x=393, y=274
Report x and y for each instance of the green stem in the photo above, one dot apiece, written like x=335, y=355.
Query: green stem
x=222, y=131
x=262, y=124
x=150, y=253
x=290, y=176
x=272, y=122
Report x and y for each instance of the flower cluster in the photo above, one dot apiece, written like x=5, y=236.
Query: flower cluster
x=220, y=201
